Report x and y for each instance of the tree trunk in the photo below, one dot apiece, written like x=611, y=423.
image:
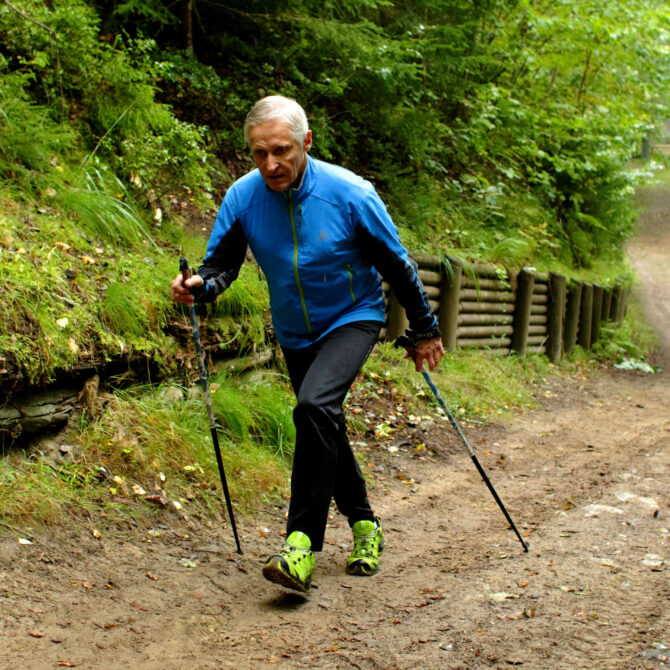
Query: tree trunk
x=187, y=6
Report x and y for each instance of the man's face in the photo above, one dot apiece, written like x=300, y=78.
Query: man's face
x=278, y=155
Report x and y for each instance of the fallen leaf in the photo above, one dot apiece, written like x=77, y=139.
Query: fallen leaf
x=156, y=499
x=88, y=260
x=153, y=577
x=33, y=634
x=502, y=595
x=96, y=533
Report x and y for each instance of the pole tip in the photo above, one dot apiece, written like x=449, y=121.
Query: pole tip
x=526, y=547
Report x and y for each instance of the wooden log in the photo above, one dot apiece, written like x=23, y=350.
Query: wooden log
x=434, y=306
x=481, y=319
x=617, y=299
x=484, y=342
x=607, y=304
x=483, y=331
x=585, y=317
x=430, y=278
x=487, y=307
x=450, y=302
x=537, y=330
x=572, y=309
x=485, y=284
x=487, y=270
x=433, y=292
x=536, y=319
x=557, y=294
x=542, y=277
x=597, y=312
x=524, y=296
x=536, y=340
x=428, y=261
x=486, y=296
x=540, y=299
x=539, y=309
x=540, y=287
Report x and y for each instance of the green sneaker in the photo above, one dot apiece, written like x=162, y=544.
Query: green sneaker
x=293, y=566
x=368, y=545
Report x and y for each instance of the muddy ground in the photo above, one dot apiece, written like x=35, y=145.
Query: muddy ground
x=585, y=477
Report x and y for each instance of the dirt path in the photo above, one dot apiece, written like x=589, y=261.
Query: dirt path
x=585, y=477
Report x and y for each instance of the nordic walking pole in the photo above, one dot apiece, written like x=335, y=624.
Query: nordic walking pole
x=186, y=273
x=406, y=344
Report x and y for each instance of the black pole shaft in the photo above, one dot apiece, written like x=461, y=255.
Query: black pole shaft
x=212, y=426
x=487, y=481
x=183, y=267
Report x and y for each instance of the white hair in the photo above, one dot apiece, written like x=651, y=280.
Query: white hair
x=277, y=107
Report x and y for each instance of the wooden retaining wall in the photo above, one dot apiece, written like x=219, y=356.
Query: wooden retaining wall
x=490, y=308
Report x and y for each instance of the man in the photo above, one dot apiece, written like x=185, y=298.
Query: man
x=321, y=235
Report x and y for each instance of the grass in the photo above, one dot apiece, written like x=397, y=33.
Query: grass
x=150, y=452
x=471, y=383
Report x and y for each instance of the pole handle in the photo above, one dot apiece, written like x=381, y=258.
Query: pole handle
x=184, y=269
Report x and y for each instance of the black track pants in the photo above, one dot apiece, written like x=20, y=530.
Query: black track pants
x=324, y=465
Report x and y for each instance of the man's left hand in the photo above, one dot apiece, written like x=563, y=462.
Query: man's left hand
x=430, y=351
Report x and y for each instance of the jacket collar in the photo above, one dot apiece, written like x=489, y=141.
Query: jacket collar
x=306, y=185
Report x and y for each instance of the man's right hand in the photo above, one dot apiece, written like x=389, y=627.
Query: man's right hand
x=180, y=290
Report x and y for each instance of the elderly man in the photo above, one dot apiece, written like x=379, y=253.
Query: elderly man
x=322, y=237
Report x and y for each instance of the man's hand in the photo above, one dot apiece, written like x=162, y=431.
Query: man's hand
x=430, y=351
x=180, y=291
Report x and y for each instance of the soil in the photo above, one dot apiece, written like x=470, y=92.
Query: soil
x=584, y=476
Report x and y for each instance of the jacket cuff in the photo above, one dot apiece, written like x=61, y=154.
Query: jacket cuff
x=415, y=337
x=202, y=293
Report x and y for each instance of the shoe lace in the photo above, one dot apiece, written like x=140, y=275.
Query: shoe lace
x=364, y=544
x=294, y=553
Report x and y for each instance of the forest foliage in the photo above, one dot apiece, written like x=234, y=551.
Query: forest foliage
x=499, y=130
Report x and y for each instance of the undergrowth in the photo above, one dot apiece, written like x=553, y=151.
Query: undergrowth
x=150, y=453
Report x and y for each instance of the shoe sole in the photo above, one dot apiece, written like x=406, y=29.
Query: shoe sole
x=358, y=568
x=361, y=570
x=273, y=573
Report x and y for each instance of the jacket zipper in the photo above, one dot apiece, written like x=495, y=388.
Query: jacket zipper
x=295, y=260
x=351, y=274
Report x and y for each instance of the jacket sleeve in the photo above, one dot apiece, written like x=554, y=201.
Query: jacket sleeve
x=226, y=250
x=377, y=238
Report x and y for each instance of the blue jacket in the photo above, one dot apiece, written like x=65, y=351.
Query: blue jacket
x=321, y=247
